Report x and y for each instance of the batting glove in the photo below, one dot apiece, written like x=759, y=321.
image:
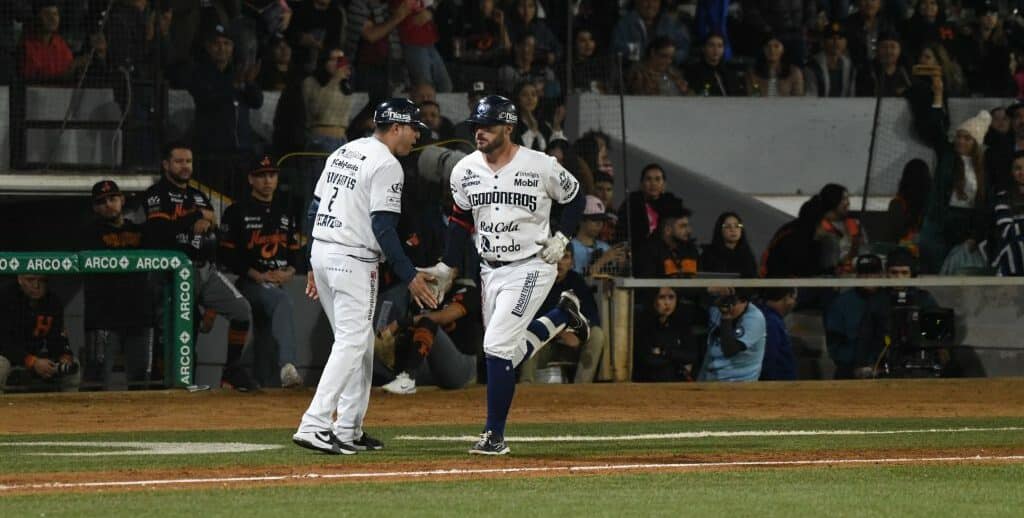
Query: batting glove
x=554, y=247
x=443, y=277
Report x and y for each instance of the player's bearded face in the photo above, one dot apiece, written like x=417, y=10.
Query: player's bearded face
x=490, y=138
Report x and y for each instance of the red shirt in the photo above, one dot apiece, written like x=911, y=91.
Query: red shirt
x=411, y=34
x=42, y=60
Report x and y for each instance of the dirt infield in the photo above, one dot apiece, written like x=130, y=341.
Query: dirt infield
x=179, y=410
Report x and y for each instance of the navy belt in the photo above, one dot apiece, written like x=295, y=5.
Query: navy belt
x=497, y=264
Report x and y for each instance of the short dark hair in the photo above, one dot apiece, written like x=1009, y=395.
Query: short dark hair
x=901, y=256
x=603, y=177
x=774, y=294
x=169, y=148
x=648, y=167
x=659, y=43
x=383, y=127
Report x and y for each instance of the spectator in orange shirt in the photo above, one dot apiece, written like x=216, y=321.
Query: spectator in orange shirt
x=44, y=54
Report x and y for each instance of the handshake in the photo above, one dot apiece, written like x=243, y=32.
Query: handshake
x=438, y=279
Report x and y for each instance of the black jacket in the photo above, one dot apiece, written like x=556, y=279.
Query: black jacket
x=116, y=301
x=222, y=111
x=720, y=81
x=662, y=350
x=258, y=235
x=739, y=260
x=29, y=332
x=633, y=217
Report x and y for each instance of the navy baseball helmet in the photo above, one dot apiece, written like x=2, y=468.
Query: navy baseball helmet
x=399, y=111
x=494, y=109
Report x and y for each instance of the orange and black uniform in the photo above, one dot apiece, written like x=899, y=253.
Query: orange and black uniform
x=259, y=235
x=31, y=331
x=170, y=214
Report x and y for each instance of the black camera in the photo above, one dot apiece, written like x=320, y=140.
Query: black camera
x=917, y=335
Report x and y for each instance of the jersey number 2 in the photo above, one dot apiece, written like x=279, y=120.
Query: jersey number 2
x=330, y=204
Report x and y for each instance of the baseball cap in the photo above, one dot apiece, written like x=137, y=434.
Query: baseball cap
x=399, y=110
x=868, y=263
x=264, y=164
x=594, y=208
x=105, y=189
x=217, y=31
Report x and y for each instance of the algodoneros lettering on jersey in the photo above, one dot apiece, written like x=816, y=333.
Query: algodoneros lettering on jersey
x=511, y=206
x=360, y=178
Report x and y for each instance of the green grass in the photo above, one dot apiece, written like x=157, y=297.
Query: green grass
x=13, y=460
x=921, y=490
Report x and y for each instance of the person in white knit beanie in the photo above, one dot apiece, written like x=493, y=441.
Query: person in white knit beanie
x=976, y=127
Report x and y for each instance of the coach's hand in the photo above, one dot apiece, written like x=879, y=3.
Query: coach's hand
x=554, y=247
x=311, y=287
x=443, y=276
x=421, y=291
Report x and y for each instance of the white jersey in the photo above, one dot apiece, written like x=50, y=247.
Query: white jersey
x=511, y=206
x=358, y=179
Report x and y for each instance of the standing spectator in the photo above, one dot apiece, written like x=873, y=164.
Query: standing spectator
x=906, y=211
x=260, y=245
x=864, y=28
x=524, y=22
x=315, y=25
x=729, y=251
x=885, y=75
x=778, y=363
x=830, y=72
x=640, y=214
x=586, y=356
x=223, y=95
x=430, y=112
x=483, y=38
x=523, y=68
x=533, y=130
x=927, y=25
x=736, y=340
x=277, y=68
x=788, y=19
x=843, y=237
x=711, y=76
x=371, y=37
x=1009, y=224
x=773, y=73
x=655, y=75
x=934, y=54
x=843, y=323
x=418, y=34
x=795, y=249
x=43, y=53
x=34, y=348
x=956, y=213
x=664, y=345
x=181, y=218
x=674, y=253
x=984, y=51
x=118, y=307
x=136, y=35
x=643, y=23
x=590, y=254
x=328, y=102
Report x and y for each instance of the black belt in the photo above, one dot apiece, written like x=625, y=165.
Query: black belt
x=497, y=264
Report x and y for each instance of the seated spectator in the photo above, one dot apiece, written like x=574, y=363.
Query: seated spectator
x=277, y=69
x=711, y=76
x=773, y=74
x=674, y=253
x=999, y=134
x=664, y=347
x=906, y=211
x=418, y=34
x=958, y=202
x=43, y=53
x=524, y=22
x=788, y=20
x=371, y=37
x=864, y=30
x=424, y=94
x=439, y=346
x=315, y=25
x=483, y=38
x=567, y=158
x=884, y=76
x=592, y=149
x=533, y=129
x=260, y=244
x=646, y=21
x=778, y=363
x=1001, y=147
x=934, y=54
x=523, y=69
x=640, y=214
x=223, y=95
x=655, y=75
x=844, y=336
x=795, y=249
x=604, y=189
x=118, y=308
x=566, y=345
x=983, y=50
x=328, y=101
x=729, y=251
x=1008, y=255
x=736, y=340
x=843, y=237
x=34, y=348
x=830, y=72
x=927, y=25
x=430, y=114
x=590, y=254
x=589, y=73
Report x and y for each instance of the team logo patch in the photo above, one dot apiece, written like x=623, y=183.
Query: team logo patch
x=739, y=331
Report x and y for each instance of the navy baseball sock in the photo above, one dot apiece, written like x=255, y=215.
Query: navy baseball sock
x=501, y=387
x=543, y=329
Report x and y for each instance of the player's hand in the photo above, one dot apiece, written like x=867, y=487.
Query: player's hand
x=443, y=276
x=44, y=368
x=201, y=226
x=311, y=287
x=554, y=247
x=422, y=292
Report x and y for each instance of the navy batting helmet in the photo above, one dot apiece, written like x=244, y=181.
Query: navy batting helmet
x=399, y=111
x=494, y=109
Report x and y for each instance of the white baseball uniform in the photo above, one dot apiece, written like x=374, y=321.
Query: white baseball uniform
x=511, y=208
x=358, y=179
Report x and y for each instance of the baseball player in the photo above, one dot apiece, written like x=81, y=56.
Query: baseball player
x=356, y=206
x=503, y=192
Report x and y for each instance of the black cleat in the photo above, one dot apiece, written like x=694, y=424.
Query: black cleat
x=367, y=443
x=490, y=445
x=238, y=378
x=578, y=323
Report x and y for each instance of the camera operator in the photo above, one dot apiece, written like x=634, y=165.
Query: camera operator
x=736, y=339
x=34, y=349
x=844, y=333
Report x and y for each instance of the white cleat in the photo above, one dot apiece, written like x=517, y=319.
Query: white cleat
x=402, y=385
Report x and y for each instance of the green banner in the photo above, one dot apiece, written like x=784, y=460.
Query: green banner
x=179, y=341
